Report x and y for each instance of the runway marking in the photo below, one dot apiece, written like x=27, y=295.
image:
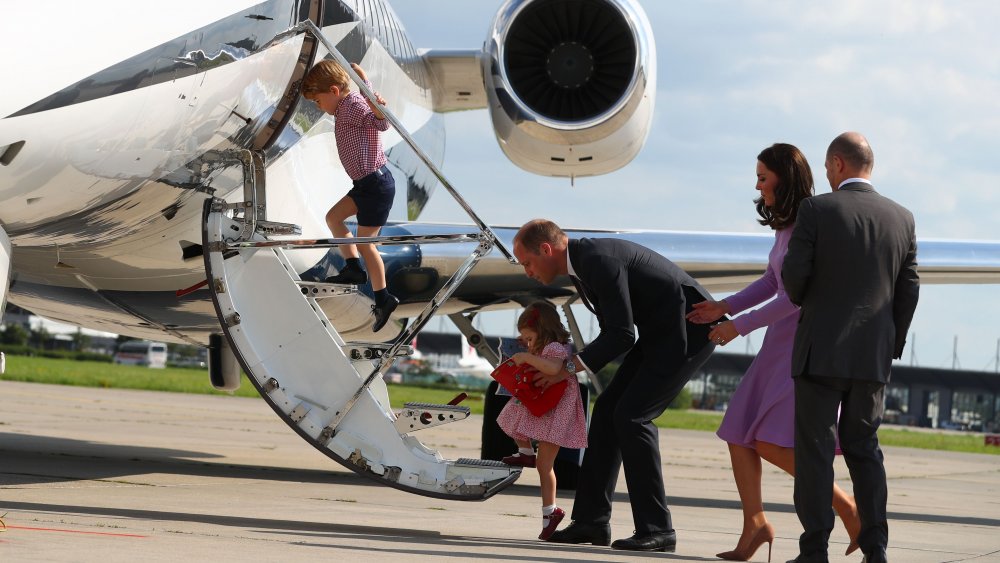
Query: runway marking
x=112, y=534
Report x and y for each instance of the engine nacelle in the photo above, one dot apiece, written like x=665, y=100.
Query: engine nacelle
x=570, y=84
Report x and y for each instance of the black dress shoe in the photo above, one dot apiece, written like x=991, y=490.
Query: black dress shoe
x=583, y=532
x=657, y=541
x=877, y=555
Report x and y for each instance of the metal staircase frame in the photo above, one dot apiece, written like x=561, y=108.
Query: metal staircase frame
x=244, y=235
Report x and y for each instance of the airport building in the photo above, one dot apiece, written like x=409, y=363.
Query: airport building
x=916, y=396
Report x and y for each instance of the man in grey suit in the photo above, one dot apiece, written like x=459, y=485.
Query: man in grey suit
x=627, y=286
x=852, y=267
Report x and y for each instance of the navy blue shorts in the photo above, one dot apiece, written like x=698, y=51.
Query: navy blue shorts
x=373, y=197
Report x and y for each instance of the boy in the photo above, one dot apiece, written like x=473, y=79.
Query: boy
x=357, y=127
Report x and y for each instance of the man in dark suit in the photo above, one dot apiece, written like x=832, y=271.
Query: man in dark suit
x=852, y=267
x=627, y=286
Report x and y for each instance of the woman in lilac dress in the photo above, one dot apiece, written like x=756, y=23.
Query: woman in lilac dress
x=759, y=421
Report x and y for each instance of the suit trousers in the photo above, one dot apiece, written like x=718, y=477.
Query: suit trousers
x=622, y=433
x=861, y=405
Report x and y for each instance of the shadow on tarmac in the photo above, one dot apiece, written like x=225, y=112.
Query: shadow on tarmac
x=44, y=459
x=438, y=545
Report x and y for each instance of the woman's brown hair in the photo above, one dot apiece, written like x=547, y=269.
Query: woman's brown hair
x=795, y=183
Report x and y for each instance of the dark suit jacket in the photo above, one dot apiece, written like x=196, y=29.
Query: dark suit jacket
x=852, y=267
x=633, y=287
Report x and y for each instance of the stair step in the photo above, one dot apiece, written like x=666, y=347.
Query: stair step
x=363, y=351
x=417, y=416
x=468, y=462
x=457, y=408
x=319, y=290
x=335, y=242
x=276, y=228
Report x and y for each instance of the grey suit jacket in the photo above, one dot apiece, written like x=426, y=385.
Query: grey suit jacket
x=632, y=286
x=852, y=267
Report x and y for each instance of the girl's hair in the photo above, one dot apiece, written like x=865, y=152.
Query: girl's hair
x=542, y=317
x=795, y=183
x=324, y=74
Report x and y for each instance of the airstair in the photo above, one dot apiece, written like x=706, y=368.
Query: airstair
x=331, y=392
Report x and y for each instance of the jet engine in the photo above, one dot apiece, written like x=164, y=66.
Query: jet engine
x=570, y=84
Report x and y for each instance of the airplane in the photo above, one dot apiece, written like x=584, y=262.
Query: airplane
x=174, y=189
x=471, y=368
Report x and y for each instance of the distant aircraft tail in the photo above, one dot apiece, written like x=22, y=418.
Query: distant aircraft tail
x=469, y=355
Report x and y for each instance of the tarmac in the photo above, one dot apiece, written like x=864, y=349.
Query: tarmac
x=117, y=475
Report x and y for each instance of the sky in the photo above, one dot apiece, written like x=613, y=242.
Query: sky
x=920, y=79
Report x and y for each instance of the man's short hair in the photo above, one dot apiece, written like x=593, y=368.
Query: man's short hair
x=854, y=149
x=535, y=232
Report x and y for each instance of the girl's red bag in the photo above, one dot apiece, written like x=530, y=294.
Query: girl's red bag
x=519, y=380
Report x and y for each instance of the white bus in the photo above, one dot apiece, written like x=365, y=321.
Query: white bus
x=142, y=353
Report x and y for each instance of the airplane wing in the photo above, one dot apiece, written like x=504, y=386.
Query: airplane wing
x=721, y=262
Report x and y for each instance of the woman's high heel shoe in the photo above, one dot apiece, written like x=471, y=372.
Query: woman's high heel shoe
x=764, y=534
x=856, y=525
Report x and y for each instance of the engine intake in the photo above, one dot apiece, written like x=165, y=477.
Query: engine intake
x=570, y=60
x=570, y=84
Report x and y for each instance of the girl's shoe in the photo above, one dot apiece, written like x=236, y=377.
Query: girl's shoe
x=554, y=519
x=520, y=460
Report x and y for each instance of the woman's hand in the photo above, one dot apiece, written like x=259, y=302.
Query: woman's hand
x=723, y=333
x=707, y=311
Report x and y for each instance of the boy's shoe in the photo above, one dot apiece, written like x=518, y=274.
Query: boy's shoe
x=554, y=519
x=520, y=460
x=382, y=311
x=348, y=275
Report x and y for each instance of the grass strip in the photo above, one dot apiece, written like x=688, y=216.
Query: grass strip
x=35, y=369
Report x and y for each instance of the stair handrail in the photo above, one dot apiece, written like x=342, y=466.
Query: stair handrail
x=487, y=239
x=311, y=28
x=425, y=315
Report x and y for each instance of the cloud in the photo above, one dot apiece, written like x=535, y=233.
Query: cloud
x=920, y=79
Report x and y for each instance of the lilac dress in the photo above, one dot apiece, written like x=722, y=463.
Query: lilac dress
x=763, y=406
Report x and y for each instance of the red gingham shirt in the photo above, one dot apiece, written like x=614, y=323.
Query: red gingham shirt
x=358, y=141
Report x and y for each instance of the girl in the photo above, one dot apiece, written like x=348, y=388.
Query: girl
x=564, y=426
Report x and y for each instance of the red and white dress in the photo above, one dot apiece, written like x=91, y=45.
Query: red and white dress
x=565, y=425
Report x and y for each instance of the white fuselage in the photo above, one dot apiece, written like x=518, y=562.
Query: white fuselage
x=105, y=194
